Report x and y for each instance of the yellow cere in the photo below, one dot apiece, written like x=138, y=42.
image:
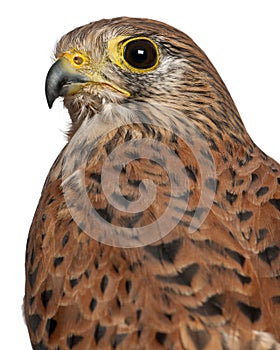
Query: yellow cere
x=116, y=48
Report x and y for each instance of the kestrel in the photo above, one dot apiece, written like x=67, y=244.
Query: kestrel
x=158, y=225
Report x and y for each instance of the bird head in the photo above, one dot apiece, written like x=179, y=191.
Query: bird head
x=128, y=59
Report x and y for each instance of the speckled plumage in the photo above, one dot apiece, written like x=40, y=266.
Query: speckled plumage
x=214, y=286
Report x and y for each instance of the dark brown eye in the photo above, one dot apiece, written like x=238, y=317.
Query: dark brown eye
x=140, y=54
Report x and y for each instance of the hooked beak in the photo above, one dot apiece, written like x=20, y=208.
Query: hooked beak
x=63, y=79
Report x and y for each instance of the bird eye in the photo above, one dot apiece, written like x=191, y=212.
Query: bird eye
x=140, y=53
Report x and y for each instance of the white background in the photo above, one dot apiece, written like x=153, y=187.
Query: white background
x=240, y=37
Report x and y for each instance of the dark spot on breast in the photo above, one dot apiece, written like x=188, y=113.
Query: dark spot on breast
x=183, y=277
x=269, y=254
x=161, y=337
x=51, y=326
x=276, y=299
x=32, y=276
x=169, y=316
x=165, y=251
x=128, y=285
x=262, y=191
x=130, y=221
x=99, y=333
x=275, y=202
x=278, y=180
x=31, y=301
x=200, y=338
x=45, y=297
x=75, y=281
x=34, y=322
x=117, y=339
x=134, y=183
x=40, y=346
x=32, y=257
x=73, y=340
x=51, y=200
x=87, y=273
x=245, y=161
x=65, y=239
x=111, y=145
x=243, y=279
x=191, y=173
x=262, y=234
x=213, y=306
x=254, y=177
x=105, y=214
x=58, y=261
x=96, y=177
x=236, y=256
x=118, y=302
x=247, y=234
x=252, y=313
x=44, y=217
x=92, y=304
x=231, y=197
x=139, y=333
x=213, y=145
x=104, y=283
x=244, y=215
x=138, y=314
x=96, y=263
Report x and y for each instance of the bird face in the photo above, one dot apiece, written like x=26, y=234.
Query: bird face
x=113, y=61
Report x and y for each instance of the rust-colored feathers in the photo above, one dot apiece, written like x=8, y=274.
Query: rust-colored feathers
x=158, y=224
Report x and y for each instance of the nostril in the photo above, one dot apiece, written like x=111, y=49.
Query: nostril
x=78, y=60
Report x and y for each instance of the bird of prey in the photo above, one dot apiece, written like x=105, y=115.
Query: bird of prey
x=158, y=226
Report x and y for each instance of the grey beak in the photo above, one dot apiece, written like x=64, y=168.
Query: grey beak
x=60, y=78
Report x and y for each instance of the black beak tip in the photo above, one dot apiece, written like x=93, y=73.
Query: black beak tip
x=50, y=100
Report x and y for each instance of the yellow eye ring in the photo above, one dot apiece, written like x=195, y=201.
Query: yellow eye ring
x=138, y=54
